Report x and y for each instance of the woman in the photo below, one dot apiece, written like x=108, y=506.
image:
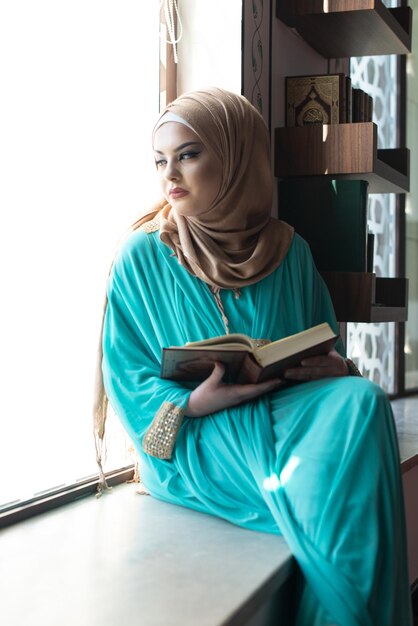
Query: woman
x=316, y=462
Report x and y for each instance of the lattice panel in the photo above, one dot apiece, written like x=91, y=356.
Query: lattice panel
x=372, y=345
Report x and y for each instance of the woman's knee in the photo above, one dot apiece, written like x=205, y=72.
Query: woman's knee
x=361, y=387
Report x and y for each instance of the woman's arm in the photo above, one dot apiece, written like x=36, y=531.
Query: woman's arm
x=214, y=395
x=132, y=339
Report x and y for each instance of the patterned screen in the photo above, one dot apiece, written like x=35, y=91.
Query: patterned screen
x=372, y=345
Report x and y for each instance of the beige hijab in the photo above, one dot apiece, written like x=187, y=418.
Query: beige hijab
x=235, y=241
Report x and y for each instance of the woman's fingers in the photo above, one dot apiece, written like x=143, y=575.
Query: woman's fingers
x=217, y=373
x=248, y=392
x=324, y=366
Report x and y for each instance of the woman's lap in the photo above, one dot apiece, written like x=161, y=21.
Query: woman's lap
x=318, y=463
x=300, y=438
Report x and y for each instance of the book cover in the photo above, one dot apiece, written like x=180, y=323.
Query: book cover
x=355, y=104
x=243, y=363
x=370, y=252
x=369, y=108
x=349, y=100
x=319, y=99
x=331, y=215
x=362, y=106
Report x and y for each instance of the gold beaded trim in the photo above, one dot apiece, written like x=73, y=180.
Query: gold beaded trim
x=152, y=225
x=161, y=436
x=353, y=370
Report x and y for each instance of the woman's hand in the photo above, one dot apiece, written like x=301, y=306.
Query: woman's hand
x=316, y=367
x=214, y=395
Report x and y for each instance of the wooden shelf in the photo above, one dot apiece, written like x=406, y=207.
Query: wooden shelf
x=363, y=297
x=344, y=151
x=346, y=28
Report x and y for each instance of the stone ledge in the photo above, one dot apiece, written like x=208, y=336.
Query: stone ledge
x=130, y=559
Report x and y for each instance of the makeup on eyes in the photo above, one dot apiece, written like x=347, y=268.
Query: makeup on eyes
x=190, y=154
x=184, y=156
x=182, y=147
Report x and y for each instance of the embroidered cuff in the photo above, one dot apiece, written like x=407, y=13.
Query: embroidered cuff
x=353, y=370
x=161, y=436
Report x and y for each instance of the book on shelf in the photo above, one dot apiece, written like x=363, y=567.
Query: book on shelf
x=246, y=360
x=362, y=106
x=358, y=104
x=316, y=99
x=369, y=108
x=349, y=100
x=325, y=99
x=370, y=252
x=331, y=215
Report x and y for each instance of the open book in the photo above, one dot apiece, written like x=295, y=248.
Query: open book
x=246, y=360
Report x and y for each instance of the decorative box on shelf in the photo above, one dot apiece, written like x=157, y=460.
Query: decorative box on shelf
x=345, y=151
x=364, y=297
x=346, y=28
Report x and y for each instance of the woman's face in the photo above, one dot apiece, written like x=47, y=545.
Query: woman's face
x=190, y=176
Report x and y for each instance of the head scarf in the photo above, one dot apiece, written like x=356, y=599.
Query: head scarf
x=235, y=241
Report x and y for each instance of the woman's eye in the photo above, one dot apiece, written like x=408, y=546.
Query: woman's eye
x=188, y=155
x=160, y=162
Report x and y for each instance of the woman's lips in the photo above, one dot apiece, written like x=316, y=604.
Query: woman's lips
x=177, y=192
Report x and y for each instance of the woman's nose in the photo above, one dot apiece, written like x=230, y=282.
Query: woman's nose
x=171, y=171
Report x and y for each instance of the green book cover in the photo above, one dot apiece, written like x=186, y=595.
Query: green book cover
x=332, y=216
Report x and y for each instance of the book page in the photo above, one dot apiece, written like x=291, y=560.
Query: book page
x=234, y=341
x=293, y=344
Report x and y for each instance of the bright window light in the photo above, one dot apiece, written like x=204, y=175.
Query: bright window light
x=79, y=85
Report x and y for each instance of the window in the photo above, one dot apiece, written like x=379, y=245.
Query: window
x=373, y=345
x=210, y=49
x=79, y=83
x=411, y=331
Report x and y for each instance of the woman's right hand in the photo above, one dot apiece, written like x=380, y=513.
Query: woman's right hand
x=213, y=394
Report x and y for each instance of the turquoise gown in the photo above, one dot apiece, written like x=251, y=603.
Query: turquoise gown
x=317, y=462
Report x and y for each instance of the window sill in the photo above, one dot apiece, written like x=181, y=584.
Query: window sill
x=125, y=557
x=55, y=498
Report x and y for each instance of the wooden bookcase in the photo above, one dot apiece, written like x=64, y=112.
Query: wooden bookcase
x=364, y=297
x=347, y=28
x=347, y=151
x=339, y=29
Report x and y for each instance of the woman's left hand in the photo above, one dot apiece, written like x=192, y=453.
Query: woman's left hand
x=316, y=367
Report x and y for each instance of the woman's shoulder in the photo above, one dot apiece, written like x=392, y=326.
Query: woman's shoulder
x=138, y=251
x=298, y=259
x=299, y=247
x=140, y=238
x=138, y=242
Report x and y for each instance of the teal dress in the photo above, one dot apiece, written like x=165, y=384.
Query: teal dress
x=317, y=462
